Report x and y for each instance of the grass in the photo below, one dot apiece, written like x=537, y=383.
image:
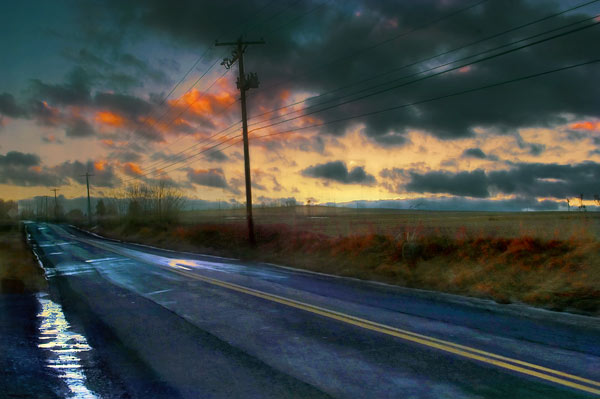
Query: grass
x=19, y=271
x=549, y=260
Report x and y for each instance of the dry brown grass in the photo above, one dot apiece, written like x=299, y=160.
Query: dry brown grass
x=19, y=271
x=549, y=260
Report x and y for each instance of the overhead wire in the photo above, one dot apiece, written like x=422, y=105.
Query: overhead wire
x=414, y=103
x=153, y=165
x=446, y=16
x=397, y=69
x=381, y=43
x=271, y=17
x=387, y=89
x=394, y=87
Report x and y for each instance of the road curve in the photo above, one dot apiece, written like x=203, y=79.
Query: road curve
x=217, y=327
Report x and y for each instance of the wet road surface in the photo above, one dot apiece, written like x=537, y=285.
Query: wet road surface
x=170, y=324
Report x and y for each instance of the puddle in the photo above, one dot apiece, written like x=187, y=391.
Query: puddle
x=62, y=348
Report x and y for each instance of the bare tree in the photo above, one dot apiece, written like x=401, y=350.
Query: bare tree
x=581, y=206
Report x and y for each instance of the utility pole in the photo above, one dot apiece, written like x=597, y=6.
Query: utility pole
x=55, y=203
x=46, y=208
x=244, y=83
x=87, y=182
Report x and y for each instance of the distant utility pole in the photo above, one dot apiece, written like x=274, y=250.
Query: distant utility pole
x=87, y=182
x=46, y=208
x=244, y=83
x=55, y=202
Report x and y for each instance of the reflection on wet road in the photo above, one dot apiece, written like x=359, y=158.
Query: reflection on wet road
x=62, y=348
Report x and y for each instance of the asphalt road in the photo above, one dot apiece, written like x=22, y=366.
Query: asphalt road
x=168, y=324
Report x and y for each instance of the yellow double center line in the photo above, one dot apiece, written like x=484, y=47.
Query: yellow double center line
x=534, y=370
x=461, y=350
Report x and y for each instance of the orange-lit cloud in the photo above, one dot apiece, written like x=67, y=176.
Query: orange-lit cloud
x=99, y=165
x=586, y=125
x=203, y=103
x=109, y=118
x=132, y=168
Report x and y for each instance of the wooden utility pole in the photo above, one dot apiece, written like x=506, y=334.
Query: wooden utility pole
x=55, y=203
x=244, y=83
x=89, y=205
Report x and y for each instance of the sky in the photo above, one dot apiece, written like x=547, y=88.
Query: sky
x=490, y=104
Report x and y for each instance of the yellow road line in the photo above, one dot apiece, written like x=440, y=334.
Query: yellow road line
x=407, y=335
x=447, y=346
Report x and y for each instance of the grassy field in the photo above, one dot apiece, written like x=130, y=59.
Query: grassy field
x=549, y=260
x=345, y=221
x=19, y=271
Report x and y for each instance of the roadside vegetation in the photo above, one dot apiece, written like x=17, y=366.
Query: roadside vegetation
x=547, y=260
x=19, y=270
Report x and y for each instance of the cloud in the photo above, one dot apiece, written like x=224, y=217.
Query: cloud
x=474, y=153
x=24, y=169
x=534, y=180
x=132, y=107
x=75, y=92
x=470, y=184
x=79, y=128
x=143, y=68
x=210, y=178
x=9, y=107
x=103, y=172
x=19, y=159
x=216, y=156
x=337, y=171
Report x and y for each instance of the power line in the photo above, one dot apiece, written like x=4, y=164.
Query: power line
x=362, y=115
x=387, y=89
x=423, y=60
x=272, y=30
x=394, y=70
x=431, y=75
x=389, y=40
x=472, y=90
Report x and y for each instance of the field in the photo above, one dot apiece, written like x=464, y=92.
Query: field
x=549, y=260
x=345, y=221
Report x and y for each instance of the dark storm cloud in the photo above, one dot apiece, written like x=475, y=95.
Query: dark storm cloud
x=337, y=171
x=19, y=159
x=124, y=155
x=474, y=153
x=210, y=178
x=128, y=105
x=23, y=169
x=76, y=91
x=470, y=184
x=79, y=128
x=143, y=69
x=522, y=179
x=9, y=106
x=26, y=169
x=216, y=156
x=75, y=170
x=343, y=28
